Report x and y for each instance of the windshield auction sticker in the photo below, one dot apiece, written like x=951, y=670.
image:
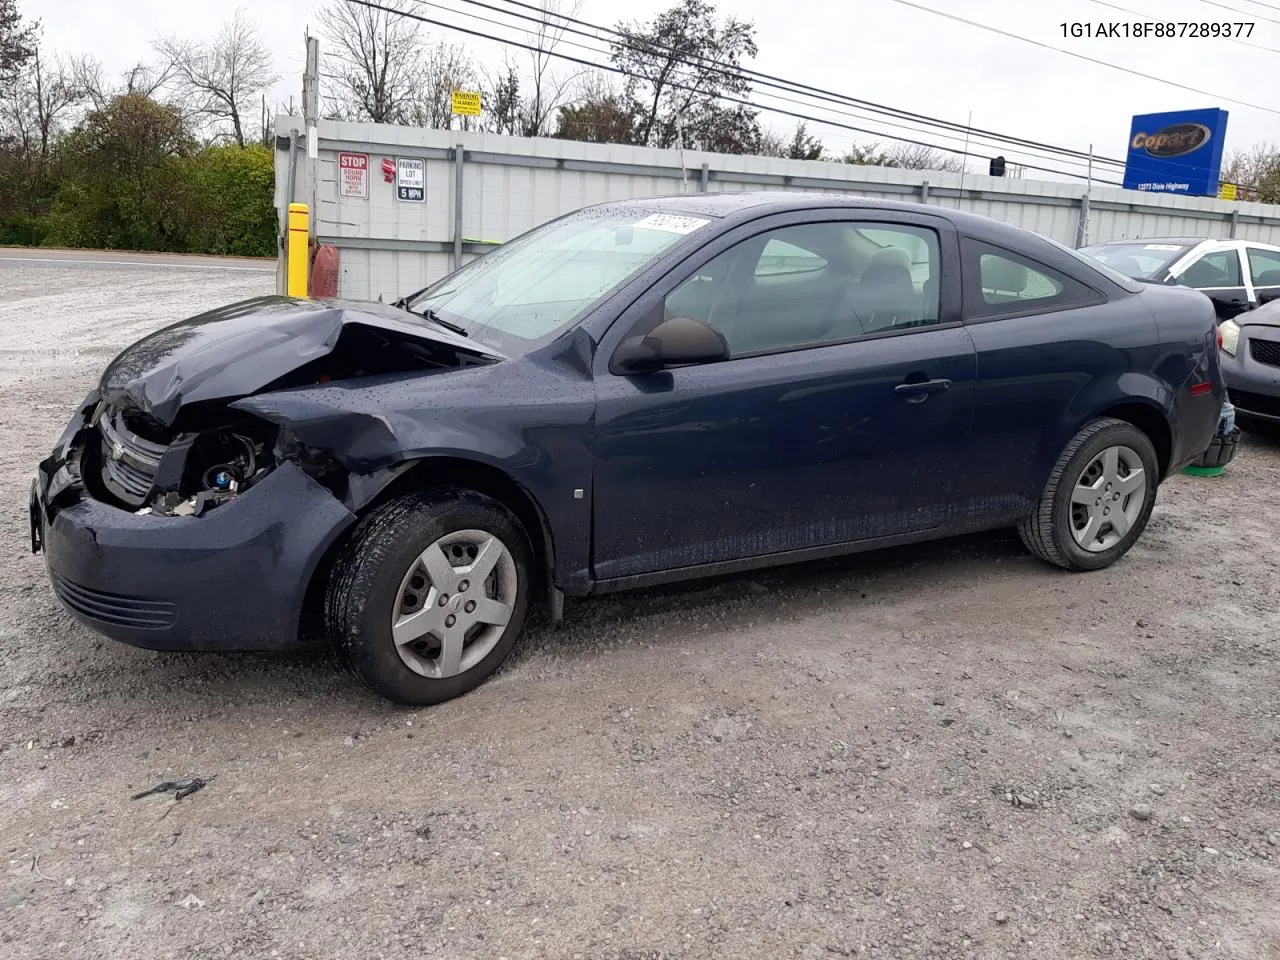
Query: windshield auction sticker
x=671, y=224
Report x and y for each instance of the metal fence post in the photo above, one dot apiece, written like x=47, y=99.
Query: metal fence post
x=1235, y=222
x=924, y=192
x=705, y=176
x=1082, y=224
x=458, y=154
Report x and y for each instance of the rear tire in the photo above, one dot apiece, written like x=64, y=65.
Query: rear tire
x=430, y=595
x=1095, y=504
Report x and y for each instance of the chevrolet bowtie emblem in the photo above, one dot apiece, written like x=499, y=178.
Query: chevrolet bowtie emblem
x=117, y=450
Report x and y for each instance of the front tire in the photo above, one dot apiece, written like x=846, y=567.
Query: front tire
x=430, y=595
x=1097, y=500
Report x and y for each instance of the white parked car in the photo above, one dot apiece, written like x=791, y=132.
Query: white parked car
x=1237, y=275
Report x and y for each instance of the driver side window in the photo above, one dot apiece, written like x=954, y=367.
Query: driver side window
x=815, y=283
x=1214, y=271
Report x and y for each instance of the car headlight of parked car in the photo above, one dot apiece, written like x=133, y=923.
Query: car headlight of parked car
x=1230, y=331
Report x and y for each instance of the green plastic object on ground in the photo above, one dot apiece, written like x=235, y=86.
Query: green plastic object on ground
x=1204, y=471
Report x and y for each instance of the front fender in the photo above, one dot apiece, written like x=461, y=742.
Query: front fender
x=539, y=447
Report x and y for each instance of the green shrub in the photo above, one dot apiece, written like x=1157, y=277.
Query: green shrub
x=232, y=192
x=130, y=176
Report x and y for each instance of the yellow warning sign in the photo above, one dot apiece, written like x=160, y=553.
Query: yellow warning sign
x=466, y=103
x=1226, y=191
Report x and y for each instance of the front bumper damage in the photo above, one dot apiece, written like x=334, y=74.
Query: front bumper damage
x=233, y=579
x=171, y=519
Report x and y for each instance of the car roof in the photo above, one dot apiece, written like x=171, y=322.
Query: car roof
x=748, y=205
x=1186, y=241
x=1181, y=241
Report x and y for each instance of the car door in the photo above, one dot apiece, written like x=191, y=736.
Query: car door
x=1043, y=338
x=1264, y=272
x=1218, y=274
x=839, y=415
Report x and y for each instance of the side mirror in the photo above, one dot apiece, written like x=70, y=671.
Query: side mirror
x=672, y=343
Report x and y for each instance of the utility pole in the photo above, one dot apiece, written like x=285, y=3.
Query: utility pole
x=1082, y=224
x=684, y=173
x=311, y=94
x=960, y=195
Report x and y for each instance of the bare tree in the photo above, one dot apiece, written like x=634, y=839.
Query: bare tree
x=86, y=73
x=905, y=156
x=503, y=105
x=910, y=156
x=446, y=67
x=35, y=107
x=549, y=89
x=376, y=58
x=222, y=79
x=1256, y=171
x=772, y=143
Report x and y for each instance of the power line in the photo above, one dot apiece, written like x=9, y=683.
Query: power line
x=1265, y=6
x=1081, y=56
x=1143, y=16
x=1017, y=152
x=1246, y=13
x=724, y=97
x=541, y=14
x=769, y=80
x=749, y=103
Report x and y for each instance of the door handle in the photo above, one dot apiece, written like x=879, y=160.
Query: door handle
x=917, y=391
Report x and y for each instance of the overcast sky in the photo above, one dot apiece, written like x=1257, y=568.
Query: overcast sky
x=879, y=50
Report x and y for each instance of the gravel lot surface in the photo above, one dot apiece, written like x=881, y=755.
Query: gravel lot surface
x=943, y=751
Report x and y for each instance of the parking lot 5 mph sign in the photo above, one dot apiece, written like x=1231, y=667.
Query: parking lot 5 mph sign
x=411, y=179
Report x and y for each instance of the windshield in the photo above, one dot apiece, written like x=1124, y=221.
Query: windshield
x=1141, y=260
x=527, y=292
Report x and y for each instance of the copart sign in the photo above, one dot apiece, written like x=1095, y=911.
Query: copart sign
x=1176, y=152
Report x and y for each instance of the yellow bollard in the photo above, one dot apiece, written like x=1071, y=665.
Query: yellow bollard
x=299, y=252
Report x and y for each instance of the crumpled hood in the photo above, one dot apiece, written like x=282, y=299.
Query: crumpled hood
x=236, y=350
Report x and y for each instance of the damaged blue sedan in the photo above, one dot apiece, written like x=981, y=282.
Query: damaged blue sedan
x=636, y=393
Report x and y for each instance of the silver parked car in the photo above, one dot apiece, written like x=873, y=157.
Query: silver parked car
x=1251, y=361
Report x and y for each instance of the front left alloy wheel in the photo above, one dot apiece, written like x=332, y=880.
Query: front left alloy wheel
x=431, y=594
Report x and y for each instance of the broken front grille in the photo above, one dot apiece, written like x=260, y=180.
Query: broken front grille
x=129, y=462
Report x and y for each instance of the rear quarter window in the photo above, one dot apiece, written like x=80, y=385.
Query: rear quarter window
x=1000, y=282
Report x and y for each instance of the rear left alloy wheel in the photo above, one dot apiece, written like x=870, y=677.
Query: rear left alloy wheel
x=431, y=594
x=1098, y=498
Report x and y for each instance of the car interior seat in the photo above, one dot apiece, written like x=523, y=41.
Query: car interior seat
x=1002, y=280
x=886, y=294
